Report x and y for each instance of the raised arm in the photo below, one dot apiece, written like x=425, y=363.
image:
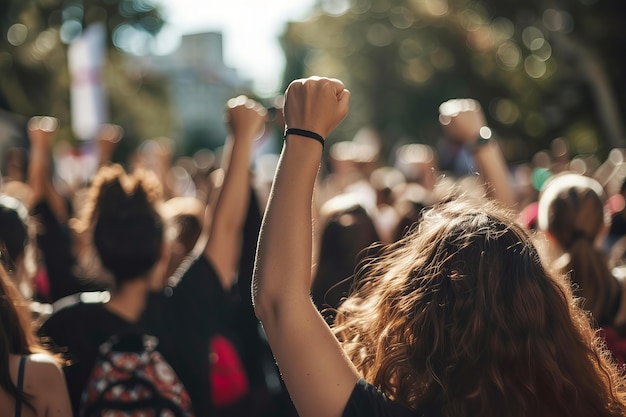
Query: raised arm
x=108, y=138
x=463, y=121
x=41, y=131
x=318, y=375
x=245, y=120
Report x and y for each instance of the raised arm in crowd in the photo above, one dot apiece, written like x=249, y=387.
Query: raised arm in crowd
x=459, y=318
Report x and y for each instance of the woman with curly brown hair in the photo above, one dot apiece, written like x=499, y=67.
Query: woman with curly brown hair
x=459, y=318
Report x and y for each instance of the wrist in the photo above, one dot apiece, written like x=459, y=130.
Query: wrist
x=483, y=138
x=307, y=151
x=309, y=134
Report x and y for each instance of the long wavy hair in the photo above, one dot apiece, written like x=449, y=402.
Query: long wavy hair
x=571, y=210
x=16, y=334
x=460, y=318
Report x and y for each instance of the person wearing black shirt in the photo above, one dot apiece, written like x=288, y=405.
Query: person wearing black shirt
x=459, y=318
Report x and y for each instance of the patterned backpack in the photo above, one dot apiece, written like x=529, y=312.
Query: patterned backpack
x=131, y=379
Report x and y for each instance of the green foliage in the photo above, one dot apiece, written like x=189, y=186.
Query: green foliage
x=34, y=37
x=527, y=62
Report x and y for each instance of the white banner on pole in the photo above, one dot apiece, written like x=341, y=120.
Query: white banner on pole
x=86, y=55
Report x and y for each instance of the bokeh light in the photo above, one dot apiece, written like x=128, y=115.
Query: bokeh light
x=72, y=12
x=558, y=20
x=45, y=42
x=508, y=56
x=17, y=34
x=417, y=71
x=442, y=59
x=335, y=8
x=553, y=20
x=504, y=111
x=480, y=39
x=437, y=7
x=471, y=20
x=534, y=67
x=410, y=48
x=379, y=34
x=70, y=29
x=131, y=40
x=541, y=49
x=530, y=35
x=401, y=17
x=359, y=6
x=535, y=124
x=502, y=29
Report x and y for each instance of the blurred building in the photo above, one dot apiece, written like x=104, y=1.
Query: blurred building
x=200, y=84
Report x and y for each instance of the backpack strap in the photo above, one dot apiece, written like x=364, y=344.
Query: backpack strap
x=20, y=386
x=89, y=297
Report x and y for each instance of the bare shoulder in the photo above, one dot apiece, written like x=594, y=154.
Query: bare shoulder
x=43, y=367
x=43, y=358
x=45, y=381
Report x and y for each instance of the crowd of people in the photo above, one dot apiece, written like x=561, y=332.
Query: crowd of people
x=347, y=286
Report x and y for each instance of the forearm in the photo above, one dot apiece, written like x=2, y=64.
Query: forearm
x=233, y=198
x=43, y=190
x=307, y=353
x=492, y=166
x=283, y=266
x=245, y=119
x=230, y=210
x=41, y=130
x=38, y=173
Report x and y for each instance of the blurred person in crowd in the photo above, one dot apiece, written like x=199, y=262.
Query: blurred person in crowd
x=460, y=318
x=120, y=216
x=31, y=380
x=198, y=299
x=347, y=230
x=410, y=202
x=384, y=180
x=60, y=247
x=617, y=227
x=463, y=122
x=186, y=216
x=18, y=256
x=195, y=303
x=15, y=163
x=16, y=251
x=571, y=212
x=418, y=163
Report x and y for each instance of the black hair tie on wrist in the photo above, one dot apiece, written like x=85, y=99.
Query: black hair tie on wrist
x=305, y=133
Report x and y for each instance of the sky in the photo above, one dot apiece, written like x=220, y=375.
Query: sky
x=250, y=31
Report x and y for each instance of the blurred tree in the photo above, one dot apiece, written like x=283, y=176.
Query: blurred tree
x=540, y=68
x=34, y=36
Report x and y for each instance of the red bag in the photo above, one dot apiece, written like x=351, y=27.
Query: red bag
x=229, y=381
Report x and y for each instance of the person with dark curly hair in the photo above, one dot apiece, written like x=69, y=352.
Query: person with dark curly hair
x=128, y=235
x=459, y=318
